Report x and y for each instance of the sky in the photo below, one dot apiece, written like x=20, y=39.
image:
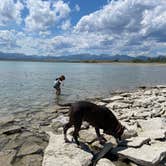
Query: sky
x=66, y=27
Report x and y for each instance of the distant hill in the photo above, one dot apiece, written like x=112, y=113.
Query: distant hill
x=76, y=57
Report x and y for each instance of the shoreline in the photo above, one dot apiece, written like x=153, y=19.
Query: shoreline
x=97, y=62
x=24, y=136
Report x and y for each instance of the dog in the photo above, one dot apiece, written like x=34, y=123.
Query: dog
x=100, y=117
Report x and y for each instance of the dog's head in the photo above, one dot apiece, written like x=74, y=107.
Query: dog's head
x=117, y=132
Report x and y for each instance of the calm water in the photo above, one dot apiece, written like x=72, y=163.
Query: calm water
x=28, y=85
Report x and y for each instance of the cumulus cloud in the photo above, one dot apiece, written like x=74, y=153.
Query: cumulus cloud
x=45, y=14
x=10, y=11
x=129, y=22
x=132, y=27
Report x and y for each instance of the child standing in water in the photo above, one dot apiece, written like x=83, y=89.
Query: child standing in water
x=57, y=84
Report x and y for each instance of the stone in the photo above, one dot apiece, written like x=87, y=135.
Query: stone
x=11, y=130
x=155, y=128
x=64, y=154
x=161, y=99
x=3, y=141
x=112, y=99
x=60, y=121
x=105, y=162
x=147, y=155
x=29, y=148
x=101, y=103
x=135, y=142
x=88, y=135
x=118, y=105
x=29, y=160
x=6, y=157
x=153, y=124
x=6, y=119
x=161, y=86
x=148, y=92
x=154, y=134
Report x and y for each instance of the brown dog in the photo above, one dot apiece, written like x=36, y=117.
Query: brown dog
x=98, y=116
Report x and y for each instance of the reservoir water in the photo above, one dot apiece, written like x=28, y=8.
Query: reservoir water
x=29, y=85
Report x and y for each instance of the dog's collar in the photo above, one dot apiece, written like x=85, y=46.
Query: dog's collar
x=118, y=129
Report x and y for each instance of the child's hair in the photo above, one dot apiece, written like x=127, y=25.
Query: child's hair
x=62, y=77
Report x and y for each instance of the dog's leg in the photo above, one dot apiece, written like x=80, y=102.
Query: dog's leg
x=101, y=139
x=77, y=127
x=65, y=128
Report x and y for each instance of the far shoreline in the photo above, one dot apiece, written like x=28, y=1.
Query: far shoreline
x=88, y=62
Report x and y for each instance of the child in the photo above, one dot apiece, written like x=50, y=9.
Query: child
x=57, y=84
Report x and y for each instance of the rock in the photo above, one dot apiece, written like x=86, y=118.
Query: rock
x=11, y=130
x=117, y=105
x=161, y=86
x=130, y=131
x=88, y=135
x=148, y=92
x=154, y=134
x=6, y=119
x=135, y=142
x=112, y=99
x=101, y=103
x=105, y=162
x=6, y=157
x=29, y=160
x=146, y=155
x=60, y=121
x=154, y=128
x=3, y=141
x=29, y=148
x=64, y=154
x=161, y=99
x=153, y=124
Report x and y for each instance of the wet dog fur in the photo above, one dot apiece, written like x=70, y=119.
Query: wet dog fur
x=100, y=117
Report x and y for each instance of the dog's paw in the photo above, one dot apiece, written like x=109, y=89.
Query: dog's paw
x=102, y=140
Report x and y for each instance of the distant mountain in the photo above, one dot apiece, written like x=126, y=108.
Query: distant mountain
x=76, y=57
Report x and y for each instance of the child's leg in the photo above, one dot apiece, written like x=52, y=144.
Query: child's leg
x=58, y=91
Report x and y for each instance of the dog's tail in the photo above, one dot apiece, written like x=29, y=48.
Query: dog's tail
x=65, y=105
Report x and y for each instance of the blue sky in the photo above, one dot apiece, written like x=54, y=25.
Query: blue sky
x=65, y=27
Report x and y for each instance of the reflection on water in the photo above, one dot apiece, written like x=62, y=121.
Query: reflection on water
x=29, y=85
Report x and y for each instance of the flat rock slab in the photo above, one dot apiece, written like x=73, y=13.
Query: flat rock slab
x=153, y=124
x=154, y=134
x=6, y=119
x=11, y=130
x=105, y=162
x=114, y=98
x=6, y=157
x=64, y=154
x=135, y=142
x=29, y=148
x=147, y=155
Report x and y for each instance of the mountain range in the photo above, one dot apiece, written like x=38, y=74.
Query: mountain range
x=76, y=57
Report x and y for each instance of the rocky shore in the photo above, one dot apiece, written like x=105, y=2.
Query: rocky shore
x=36, y=139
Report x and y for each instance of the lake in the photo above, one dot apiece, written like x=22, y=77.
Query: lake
x=29, y=85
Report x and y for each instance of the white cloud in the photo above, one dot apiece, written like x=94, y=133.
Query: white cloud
x=45, y=14
x=66, y=25
x=130, y=23
x=10, y=11
x=132, y=27
x=77, y=7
